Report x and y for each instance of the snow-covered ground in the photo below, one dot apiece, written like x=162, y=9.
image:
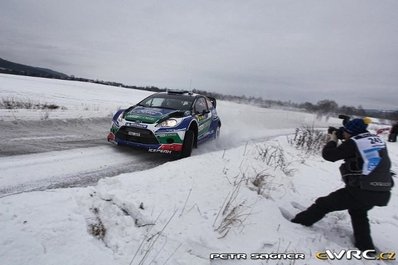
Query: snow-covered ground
x=228, y=197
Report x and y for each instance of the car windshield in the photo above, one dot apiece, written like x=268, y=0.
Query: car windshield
x=168, y=102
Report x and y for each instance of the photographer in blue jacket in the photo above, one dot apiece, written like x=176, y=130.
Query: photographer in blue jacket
x=367, y=177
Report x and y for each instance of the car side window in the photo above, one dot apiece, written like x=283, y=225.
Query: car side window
x=200, y=105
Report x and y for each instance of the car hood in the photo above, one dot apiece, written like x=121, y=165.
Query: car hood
x=150, y=115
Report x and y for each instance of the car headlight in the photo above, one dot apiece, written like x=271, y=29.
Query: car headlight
x=120, y=118
x=168, y=123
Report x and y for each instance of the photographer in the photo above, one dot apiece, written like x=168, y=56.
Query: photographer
x=366, y=173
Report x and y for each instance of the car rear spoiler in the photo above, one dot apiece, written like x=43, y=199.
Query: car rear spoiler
x=213, y=101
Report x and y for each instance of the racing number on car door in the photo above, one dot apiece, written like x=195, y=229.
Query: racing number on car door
x=204, y=117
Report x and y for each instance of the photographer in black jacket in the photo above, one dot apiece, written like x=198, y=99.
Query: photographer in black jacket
x=366, y=173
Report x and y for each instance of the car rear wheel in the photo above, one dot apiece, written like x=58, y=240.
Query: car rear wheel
x=187, y=145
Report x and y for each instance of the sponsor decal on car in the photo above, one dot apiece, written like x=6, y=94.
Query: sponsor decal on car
x=146, y=119
x=136, y=124
x=153, y=150
x=133, y=133
x=148, y=111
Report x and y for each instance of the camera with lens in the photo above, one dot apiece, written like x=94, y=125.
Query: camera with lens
x=339, y=131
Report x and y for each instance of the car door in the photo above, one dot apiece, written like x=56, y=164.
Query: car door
x=203, y=116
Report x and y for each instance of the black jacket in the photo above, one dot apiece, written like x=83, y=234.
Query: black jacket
x=351, y=170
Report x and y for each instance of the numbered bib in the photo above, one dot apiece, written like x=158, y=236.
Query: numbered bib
x=369, y=146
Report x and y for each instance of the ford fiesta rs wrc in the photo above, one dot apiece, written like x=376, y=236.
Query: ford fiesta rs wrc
x=172, y=122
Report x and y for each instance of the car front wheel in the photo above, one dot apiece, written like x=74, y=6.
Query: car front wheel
x=187, y=145
x=217, y=134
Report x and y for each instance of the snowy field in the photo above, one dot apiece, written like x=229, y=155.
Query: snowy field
x=228, y=197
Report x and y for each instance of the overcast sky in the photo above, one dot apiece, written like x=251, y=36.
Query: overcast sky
x=309, y=50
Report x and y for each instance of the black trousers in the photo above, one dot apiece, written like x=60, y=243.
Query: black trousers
x=358, y=202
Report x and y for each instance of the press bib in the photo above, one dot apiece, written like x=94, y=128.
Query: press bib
x=369, y=146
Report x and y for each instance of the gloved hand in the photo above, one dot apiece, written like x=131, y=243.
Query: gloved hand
x=332, y=137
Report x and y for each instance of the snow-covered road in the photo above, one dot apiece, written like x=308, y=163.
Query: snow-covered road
x=43, y=154
x=75, y=167
x=40, y=155
x=46, y=154
x=19, y=137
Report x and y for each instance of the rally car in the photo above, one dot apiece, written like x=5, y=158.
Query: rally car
x=172, y=122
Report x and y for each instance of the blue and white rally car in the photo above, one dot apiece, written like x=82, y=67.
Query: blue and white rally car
x=170, y=122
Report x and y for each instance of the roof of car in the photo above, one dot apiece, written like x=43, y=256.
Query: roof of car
x=179, y=92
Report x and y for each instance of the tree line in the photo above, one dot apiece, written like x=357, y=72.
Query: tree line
x=323, y=107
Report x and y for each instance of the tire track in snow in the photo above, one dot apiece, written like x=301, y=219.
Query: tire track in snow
x=40, y=155
x=71, y=168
